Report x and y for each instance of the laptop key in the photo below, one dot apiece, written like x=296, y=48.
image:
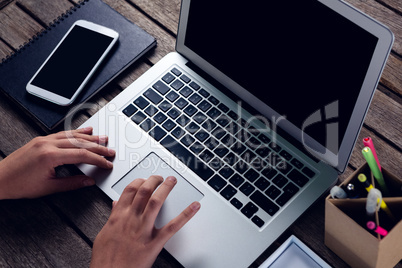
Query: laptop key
x=160, y=117
x=199, y=117
x=197, y=147
x=130, y=110
x=190, y=110
x=217, y=183
x=161, y=87
x=223, y=107
x=176, y=71
x=258, y=221
x=168, y=78
x=138, y=117
x=181, y=103
x=236, y=203
x=206, y=155
x=172, y=96
x=141, y=102
x=247, y=188
x=249, y=209
x=157, y=133
x=151, y=95
x=177, y=84
x=288, y=192
x=263, y=202
x=213, y=100
x=192, y=128
x=178, y=132
x=262, y=184
x=236, y=180
x=185, y=78
x=251, y=175
x=226, y=172
x=280, y=180
x=186, y=91
x=204, y=105
x=151, y=110
x=204, y=93
x=174, y=113
x=187, y=157
x=213, y=113
x=187, y=140
x=202, y=135
x=195, y=99
x=297, y=178
x=209, y=125
x=194, y=85
x=164, y=106
x=147, y=124
x=183, y=120
x=273, y=192
x=169, y=125
x=297, y=163
x=228, y=192
x=308, y=172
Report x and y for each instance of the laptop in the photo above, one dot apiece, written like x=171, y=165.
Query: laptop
x=256, y=114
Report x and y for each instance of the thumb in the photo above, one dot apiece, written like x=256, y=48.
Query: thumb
x=70, y=183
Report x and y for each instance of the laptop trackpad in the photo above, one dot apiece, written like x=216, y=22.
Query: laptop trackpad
x=182, y=195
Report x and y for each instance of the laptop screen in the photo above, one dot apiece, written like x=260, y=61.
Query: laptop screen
x=305, y=61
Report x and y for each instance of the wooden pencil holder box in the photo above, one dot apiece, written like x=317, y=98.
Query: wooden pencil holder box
x=345, y=226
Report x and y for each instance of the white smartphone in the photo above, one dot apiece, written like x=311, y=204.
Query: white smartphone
x=72, y=63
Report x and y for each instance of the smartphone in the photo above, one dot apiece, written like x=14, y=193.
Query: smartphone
x=72, y=63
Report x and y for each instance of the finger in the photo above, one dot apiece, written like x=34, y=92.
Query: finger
x=166, y=232
x=90, y=146
x=74, y=136
x=79, y=155
x=144, y=193
x=56, y=185
x=157, y=199
x=63, y=134
x=127, y=197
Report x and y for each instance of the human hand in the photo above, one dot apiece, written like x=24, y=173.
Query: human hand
x=129, y=238
x=29, y=171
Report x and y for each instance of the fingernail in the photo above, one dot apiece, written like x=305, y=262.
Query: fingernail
x=88, y=182
x=88, y=129
x=102, y=138
x=111, y=151
x=172, y=179
x=109, y=164
x=195, y=206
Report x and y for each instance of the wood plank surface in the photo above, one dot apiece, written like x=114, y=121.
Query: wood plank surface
x=58, y=231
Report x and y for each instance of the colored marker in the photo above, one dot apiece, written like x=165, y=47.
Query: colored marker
x=368, y=142
x=378, y=229
x=363, y=179
x=368, y=155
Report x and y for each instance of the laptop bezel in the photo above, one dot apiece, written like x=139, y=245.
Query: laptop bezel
x=338, y=161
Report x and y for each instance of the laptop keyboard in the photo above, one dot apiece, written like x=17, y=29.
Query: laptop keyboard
x=230, y=155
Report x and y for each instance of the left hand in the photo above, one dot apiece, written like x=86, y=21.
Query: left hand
x=29, y=171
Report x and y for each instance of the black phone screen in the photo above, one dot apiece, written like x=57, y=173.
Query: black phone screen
x=73, y=60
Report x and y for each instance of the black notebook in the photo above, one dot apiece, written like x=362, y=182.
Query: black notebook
x=18, y=69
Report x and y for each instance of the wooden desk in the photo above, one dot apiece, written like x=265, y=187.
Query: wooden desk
x=59, y=230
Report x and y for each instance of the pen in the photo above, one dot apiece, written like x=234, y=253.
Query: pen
x=368, y=155
x=363, y=179
x=378, y=229
x=368, y=142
